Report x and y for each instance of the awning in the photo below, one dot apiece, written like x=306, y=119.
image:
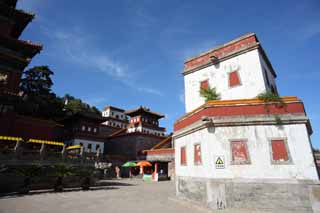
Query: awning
x=9, y=138
x=74, y=147
x=45, y=142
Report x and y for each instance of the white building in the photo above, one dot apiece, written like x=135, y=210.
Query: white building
x=243, y=71
x=145, y=121
x=240, y=152
x=115, y=117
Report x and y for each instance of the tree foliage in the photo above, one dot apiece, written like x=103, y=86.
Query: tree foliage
x=75, y=105
x=39, y=100
x=209, y=94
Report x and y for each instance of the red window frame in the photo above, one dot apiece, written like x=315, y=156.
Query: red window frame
x=183, y=156
x=280, y=152
x=234, y=79
x=239, y=152
x=197, y=154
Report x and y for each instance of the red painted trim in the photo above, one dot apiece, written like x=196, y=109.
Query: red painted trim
x=220, y=52
x=255, y=109
x=160, y=151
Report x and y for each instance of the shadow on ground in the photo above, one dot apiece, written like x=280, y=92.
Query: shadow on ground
x=101, y=185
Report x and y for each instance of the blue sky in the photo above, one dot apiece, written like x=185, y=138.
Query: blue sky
x=128, y=53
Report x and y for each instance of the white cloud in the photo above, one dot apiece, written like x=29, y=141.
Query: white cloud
x=81, y=50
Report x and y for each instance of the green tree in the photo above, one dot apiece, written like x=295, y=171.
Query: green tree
x=75, y=105
x=38, y=99
x=209, y=94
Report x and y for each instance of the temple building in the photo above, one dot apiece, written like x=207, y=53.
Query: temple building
x=115, y=117
x=241, y=151
x=84, y=129
x=142, y=133
x=15, y=54
x=146, y=121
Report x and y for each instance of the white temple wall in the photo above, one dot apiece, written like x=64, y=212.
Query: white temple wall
x=216, y=142
x=251, y=77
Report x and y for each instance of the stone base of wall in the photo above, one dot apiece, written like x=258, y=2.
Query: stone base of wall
x=275, y=196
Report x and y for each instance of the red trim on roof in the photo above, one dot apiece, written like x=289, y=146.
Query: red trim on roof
x=232, y=46
x=237, y=110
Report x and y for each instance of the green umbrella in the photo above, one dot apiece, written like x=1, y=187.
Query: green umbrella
x=129, y=164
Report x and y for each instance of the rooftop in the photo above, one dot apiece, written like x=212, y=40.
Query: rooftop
x=113, y=108
x=143, y=110
x=225, y=51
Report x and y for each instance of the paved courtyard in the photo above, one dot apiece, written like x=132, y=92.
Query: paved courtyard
x=134, y=196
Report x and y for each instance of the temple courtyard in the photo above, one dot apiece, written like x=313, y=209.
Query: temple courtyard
x=117, y=196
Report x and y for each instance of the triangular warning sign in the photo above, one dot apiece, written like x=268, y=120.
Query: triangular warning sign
x=219, y=161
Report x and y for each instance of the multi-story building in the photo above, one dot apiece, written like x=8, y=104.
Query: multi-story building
x=241, y=151
x=142, y=133
x=145, y=121
x=84, y=129
x=115, y=117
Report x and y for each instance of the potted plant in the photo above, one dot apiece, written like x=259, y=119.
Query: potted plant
x=61, y=171
x=28, y=173
x=86, y=177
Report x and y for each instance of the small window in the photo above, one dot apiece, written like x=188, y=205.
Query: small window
x=117, y=116
x=94, y=130
x=239, y=151
x=204, y=84
x=197, y=154
x=234, y=79
x=83, y=128
x=89, y=146
x=280, y=152
x=89, y=129
x=183, y=156
x=97, y=146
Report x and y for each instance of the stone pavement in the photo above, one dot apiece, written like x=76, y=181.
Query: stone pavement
x=134, y=196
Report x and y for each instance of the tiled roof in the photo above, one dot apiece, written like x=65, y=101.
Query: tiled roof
x=140, y=110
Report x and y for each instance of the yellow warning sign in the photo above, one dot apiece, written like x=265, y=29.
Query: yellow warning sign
x=219, y=161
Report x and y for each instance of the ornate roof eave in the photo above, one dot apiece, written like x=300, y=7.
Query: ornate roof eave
x=143, y=110
x=28, y=48
x=21, y=18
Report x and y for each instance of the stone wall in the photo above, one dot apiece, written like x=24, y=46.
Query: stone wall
x=131, y=145
x=260, y=195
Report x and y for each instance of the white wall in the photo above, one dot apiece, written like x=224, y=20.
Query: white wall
x=217, y=143
x=85, y=144
x=149, y=131
x=251, y=77
x=108, y=113
x=116, y=124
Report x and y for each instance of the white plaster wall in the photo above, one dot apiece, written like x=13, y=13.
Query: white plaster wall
x=217, y=143
x=85, y=144
x=108, y=113
x=140, y=129
x=115, y=123
x=251, y=77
